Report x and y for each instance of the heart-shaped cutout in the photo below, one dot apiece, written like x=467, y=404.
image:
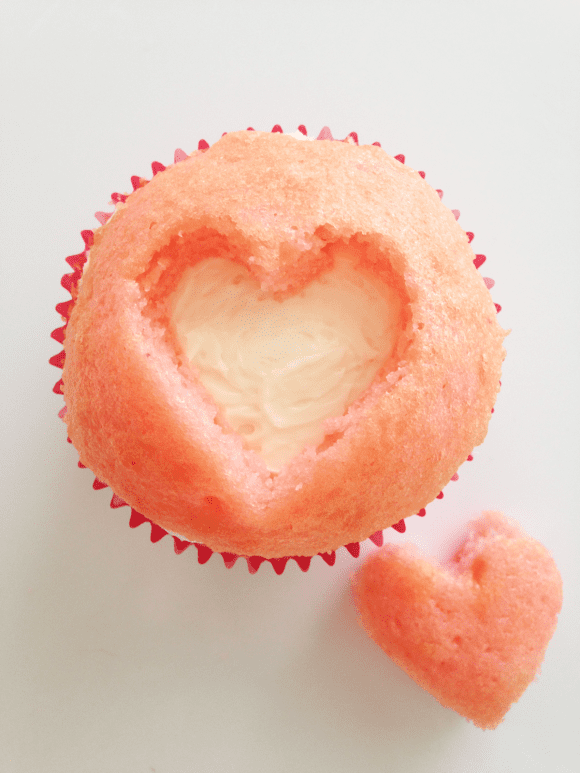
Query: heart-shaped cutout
x=279, y=366
x=472, y=633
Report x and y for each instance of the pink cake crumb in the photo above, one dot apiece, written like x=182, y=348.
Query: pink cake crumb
x=473, y=633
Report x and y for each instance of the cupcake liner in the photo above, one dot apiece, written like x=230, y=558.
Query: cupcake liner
x=70, y=282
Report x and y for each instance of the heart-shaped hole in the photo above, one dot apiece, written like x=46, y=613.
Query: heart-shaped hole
x=280, y=361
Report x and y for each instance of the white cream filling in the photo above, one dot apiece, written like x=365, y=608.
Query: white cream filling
x=278, y=369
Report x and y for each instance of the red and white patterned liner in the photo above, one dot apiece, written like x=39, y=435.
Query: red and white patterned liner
x=70, y=283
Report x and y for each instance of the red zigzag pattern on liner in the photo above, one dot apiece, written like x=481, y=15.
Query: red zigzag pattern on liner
x=70, y=283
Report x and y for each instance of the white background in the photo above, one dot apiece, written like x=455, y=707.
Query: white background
x=118, y=655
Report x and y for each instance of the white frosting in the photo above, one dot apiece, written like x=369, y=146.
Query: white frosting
x=299, y=136
x=278, y=369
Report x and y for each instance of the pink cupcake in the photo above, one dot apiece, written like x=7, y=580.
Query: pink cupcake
x=277, y=346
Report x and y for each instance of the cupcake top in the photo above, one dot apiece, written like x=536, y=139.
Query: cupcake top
x=286, y=216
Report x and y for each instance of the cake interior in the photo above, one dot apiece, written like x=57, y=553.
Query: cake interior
x=277, y=365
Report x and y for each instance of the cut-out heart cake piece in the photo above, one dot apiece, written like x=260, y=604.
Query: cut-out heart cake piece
x=473, y=633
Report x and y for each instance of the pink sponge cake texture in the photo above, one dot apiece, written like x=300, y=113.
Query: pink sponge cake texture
x=144, y=423
x=472, y=633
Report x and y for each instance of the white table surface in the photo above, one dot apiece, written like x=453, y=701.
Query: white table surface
x=118, y=655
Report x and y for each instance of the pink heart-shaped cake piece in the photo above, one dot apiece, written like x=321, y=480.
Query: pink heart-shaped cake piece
x=473, y=633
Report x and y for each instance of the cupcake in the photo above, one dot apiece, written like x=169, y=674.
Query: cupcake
x=278, y=346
